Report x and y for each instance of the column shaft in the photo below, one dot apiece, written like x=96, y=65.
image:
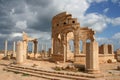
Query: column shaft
x=14, y=48
x=76, y=45
x=6, y=46
x=93, y=58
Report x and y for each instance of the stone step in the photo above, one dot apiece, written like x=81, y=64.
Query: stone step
x=48, y=74
x=37, y=75
x=60, y=72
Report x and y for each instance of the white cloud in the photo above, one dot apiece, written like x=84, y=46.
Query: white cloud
x=106, y=10
x=116, y=21
x=41, y=35
x=114, y=40
x=25, y=16
x=95, y=21
x=97, y=1
x=116, y=36
x=113, y=21
x=16, y=35
x=75, y=7
x=92, y=20
x=2, y=35
x=21, y=24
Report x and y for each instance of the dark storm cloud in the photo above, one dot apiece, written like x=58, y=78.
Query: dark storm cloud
x=36, y=13
x=40, y=6
x=45, y=12
x=43, y=23
x=42, y=3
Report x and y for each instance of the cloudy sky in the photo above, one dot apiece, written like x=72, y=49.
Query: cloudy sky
x=34, y=17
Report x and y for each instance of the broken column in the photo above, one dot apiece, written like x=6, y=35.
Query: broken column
x=19, y=53
x=93, y=66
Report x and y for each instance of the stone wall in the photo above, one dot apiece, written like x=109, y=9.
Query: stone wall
x=102, y=58
x=118, y=55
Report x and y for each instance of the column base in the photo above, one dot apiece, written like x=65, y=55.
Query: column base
x=91, y=71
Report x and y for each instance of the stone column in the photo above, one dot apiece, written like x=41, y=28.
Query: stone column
x=64, y=47
x=35, y=49
x=84, y=46
x=20, y=52
x=49, y=52
x=45, y=47
x=42, y=45
x=14, y=48
x=76, y=46
x=87, y=66
x=64, y=53
x=93, y=66
x=52, y=47
x=25, y=46
x=6, y=46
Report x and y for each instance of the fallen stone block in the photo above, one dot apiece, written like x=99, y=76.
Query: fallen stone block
x=112, y=61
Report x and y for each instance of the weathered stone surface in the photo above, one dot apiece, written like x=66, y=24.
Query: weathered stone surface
x=112, y=60
x=118, y=55
x=66, y=28
x=118, y=67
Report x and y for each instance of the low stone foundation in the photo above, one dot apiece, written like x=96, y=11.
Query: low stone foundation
x=118, y=57
x=102, y=58
x=80, y=58
x=57, y=57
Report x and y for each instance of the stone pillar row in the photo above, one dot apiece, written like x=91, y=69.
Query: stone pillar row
x=6, y=48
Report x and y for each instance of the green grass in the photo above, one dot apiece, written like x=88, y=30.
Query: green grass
x=25, y=74
x=16, y=72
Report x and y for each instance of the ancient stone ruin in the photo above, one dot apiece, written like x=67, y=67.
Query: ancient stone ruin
x=65, y=28
x=63, y=55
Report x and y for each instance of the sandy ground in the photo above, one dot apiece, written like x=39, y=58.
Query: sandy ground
x=4, y=75
x=12, y=76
